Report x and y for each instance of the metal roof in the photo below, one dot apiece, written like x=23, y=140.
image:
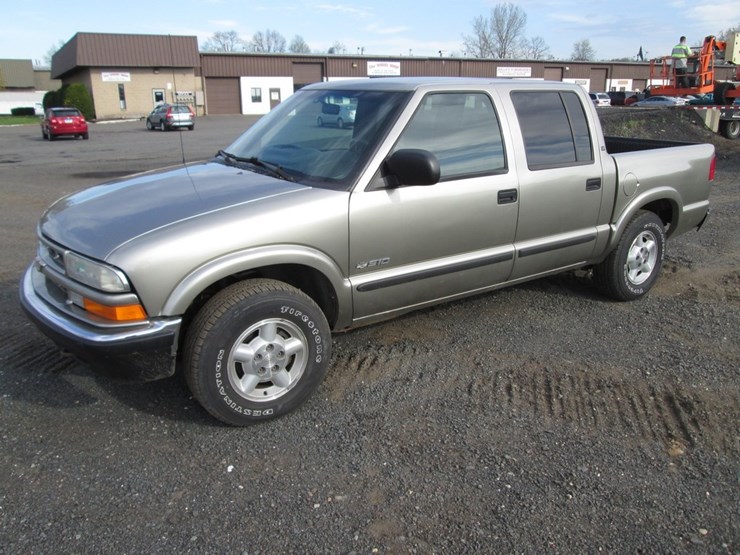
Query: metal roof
x=118, y=50
x=16, y=74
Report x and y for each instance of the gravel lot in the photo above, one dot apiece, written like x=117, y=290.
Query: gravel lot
x=537, y=419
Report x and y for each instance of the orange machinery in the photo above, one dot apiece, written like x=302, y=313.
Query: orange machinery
x=700, y=72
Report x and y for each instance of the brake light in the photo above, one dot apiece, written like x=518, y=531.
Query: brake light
x=712, y=168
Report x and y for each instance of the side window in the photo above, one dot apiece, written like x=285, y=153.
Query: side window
x=554, y=128
x=461, y=130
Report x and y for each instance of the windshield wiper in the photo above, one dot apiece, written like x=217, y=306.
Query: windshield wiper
x=269, y=166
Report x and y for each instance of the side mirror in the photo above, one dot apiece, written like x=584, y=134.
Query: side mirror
x=413, y=166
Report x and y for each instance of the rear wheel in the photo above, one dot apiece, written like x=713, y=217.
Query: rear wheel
x=255, y=351
x=85, y=136
x=162, y=126
x=730, y=129
x=631, y=269
x=340, y=123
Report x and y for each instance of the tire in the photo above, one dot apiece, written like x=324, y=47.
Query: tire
x=85, y=136
x=730, y=129
x=237, y=332
x=320, y=122
x=162, y=126
x=340, y=123
x=720, y=93
x=632, y=267
x=191, y=127
x=149, y=125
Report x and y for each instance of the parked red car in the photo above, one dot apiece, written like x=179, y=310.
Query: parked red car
x=58, y=122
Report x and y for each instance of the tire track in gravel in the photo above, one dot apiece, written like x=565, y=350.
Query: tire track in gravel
x=589, y=397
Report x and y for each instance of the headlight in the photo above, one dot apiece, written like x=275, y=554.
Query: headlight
x=95, y=274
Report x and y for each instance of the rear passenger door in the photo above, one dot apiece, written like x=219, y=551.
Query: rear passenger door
x=413, y=245
x=560, y=181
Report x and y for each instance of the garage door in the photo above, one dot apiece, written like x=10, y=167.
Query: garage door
x=598, y=79
x=307, y=73
x=222, y=96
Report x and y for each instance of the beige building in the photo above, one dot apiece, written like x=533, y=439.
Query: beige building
x=128, y=75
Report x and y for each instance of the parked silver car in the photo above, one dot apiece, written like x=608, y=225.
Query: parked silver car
x=600, y=99
x=339, y=112
x=170, y=116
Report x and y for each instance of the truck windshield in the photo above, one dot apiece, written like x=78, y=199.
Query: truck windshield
x=322, y=138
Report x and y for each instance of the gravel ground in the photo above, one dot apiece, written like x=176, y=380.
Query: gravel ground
x=537, y=419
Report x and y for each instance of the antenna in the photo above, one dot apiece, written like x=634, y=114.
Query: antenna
x=174, y=96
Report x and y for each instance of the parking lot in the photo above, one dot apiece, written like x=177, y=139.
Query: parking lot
x=541, y=418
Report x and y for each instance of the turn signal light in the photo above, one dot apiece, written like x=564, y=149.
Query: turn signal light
x=125, y=313
x=712, y=168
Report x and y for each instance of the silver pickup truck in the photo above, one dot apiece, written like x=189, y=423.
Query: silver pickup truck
x=238, y=268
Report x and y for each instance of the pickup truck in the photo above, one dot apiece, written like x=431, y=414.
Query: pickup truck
x=238, y=269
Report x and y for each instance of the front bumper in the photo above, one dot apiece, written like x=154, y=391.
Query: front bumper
x=143, y=352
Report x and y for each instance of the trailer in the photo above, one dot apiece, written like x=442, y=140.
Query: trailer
x=720, y=119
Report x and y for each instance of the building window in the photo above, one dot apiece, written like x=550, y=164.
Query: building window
x=256, y=94
x=121, y=96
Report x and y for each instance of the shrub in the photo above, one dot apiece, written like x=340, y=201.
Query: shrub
x=52, y=99
x=73, y=95
x=78, y=96
x=24, y=111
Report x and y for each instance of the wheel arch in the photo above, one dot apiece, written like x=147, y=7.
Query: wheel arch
x=664, y=202
x=314, y=274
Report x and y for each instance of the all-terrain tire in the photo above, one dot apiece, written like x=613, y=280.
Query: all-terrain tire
x=255, y=351
x=730, y=128
x=632, y=267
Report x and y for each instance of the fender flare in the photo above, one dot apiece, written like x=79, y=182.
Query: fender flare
x=198, y=280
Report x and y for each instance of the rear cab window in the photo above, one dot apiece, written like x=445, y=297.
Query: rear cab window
x=554, y=128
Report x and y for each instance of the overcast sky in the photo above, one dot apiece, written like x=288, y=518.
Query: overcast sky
x=616, y=28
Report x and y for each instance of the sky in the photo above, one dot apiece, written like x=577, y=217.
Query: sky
x=616, y=29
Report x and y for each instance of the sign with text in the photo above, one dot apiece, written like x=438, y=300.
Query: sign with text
x=116, y=76
x=384, y=69
x=513, y=72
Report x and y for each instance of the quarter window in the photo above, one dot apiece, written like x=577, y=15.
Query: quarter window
x=554, y=129
x=461, y=130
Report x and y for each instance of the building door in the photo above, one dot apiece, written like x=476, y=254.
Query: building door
x=158, y=97
x=274, y=98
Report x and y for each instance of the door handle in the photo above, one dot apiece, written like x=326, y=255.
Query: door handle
x=507, y=196
x=593, y=184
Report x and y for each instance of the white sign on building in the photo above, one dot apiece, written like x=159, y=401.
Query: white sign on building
x=513, y=72
x=116, y=76
x=383, y=69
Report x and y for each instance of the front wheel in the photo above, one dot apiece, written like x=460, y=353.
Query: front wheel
x=255, y=351
x=631, y=269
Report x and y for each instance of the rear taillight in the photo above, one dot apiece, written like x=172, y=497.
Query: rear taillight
x=712, y=168
x=168, y=115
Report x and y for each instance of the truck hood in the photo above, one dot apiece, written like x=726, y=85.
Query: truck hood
x=97, y=220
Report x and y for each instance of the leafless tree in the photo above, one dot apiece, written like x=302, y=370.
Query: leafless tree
x=224, y=41
x=725, y=33
x=267, y=42
x=535, y=49
x=337, y=48
x=56, y=47
x=299, y=46
x=583, y=51
x=499, y=35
